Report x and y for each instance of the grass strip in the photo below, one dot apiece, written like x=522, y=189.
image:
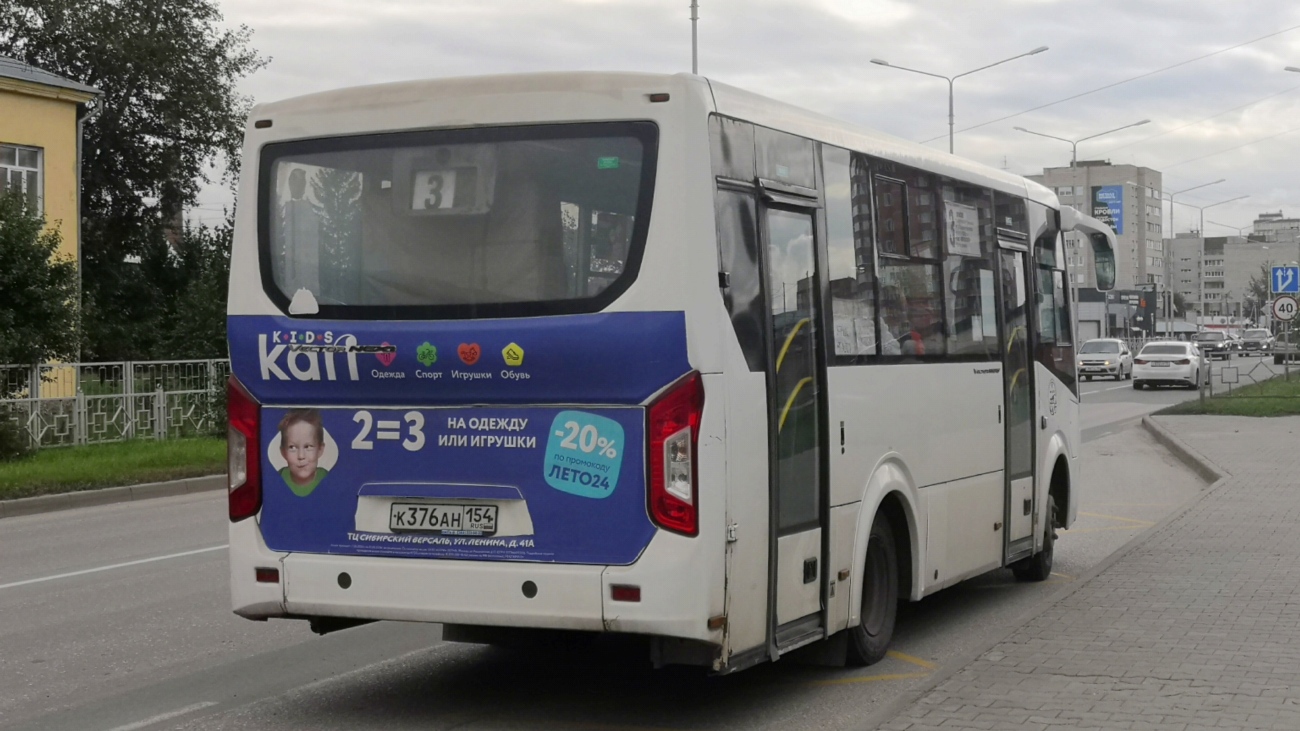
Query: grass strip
x=1275, y=397
x=69, y=469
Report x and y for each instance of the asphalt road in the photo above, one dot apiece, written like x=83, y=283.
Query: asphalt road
x=116, y=618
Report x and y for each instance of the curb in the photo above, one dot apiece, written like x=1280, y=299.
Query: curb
x=105, y=496
x=1198, y=462
x=1206, y=469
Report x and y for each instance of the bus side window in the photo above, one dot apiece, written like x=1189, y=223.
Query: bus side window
x=969, y=241
x=850, y=262
x=911, y=322
x=738, y=259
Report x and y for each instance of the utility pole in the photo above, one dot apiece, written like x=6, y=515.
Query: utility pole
x=695, y=40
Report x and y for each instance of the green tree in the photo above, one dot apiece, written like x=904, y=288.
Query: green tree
x=1258, y=289
x=168, y=112
x=38, y=289
x=196, y=324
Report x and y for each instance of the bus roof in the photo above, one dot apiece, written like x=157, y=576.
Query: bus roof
x=727, y=100
x=734, y=102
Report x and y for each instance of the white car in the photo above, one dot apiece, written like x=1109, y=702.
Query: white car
x=1105, y=357
x=1170, y=363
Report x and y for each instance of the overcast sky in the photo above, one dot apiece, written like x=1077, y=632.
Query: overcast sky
x=1233, y=115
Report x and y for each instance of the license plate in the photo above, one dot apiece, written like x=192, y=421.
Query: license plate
x=1160, y=365
x=459, y=520
x=1092, y=370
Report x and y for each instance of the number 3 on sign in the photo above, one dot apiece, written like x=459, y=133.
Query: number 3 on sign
x=433, y=190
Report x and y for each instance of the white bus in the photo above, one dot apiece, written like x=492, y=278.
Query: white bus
x=639, y=354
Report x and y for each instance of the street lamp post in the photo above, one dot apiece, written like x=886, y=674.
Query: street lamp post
x=1200, y=278
x=951, y=79
x=1074, y=144
x=1238, y=229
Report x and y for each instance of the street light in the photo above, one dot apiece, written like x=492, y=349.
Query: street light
x=1173, y=233
x=1074, y=144
x=1200, y=278
x=950, y=79
x=1238, y=229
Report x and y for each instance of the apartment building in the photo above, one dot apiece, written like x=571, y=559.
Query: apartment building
x=1129, y=198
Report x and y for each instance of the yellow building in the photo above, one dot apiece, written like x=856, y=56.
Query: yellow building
x=40, y=144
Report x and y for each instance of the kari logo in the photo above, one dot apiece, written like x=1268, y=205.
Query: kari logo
x=513, y=354
x=469, y=353
x=427, y=354
x=304, y=362
x=387, y=355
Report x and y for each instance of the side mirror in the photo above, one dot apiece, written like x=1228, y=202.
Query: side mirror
x=1104, y=257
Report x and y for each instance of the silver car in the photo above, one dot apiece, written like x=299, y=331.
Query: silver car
x=1105, y=357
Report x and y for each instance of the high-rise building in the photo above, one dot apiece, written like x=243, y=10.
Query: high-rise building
x=1129, y=198
x=1213, y=275
x=1276, y=227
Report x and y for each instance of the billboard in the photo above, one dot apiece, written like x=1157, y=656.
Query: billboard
x=1108, y=206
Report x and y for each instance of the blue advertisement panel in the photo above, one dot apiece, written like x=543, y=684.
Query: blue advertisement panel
x=606, y=358
x=487, y=483
x=1108, y=206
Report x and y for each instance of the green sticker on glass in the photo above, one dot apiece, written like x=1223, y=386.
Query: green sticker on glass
x=607, y=163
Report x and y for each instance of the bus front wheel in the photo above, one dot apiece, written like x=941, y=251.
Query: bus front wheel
x=869, y=641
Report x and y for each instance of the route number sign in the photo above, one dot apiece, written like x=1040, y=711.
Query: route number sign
x=1286, y=280
x=1284, y=308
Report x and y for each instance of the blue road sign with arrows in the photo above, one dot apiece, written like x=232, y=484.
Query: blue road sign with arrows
x=1286, y=280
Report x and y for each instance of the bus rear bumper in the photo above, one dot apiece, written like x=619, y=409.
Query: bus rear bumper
x=669, y=576
x=458, y=592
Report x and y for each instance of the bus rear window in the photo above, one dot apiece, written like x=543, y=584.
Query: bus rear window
x=459, y=223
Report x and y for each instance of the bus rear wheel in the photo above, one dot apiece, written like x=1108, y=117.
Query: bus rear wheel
x=869, y=641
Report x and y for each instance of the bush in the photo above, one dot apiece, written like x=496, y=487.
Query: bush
x=14, y=441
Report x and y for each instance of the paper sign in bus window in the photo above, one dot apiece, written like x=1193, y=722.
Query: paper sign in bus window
x=301, y=451
x=584, y=453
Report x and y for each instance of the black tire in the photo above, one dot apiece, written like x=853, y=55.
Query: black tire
x=1137, y=385
x=869, y=641
x=1039, y=566
x=1087, y=378
x=1129, y=376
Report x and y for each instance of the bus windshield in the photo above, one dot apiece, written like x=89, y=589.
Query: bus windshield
x=446, y=223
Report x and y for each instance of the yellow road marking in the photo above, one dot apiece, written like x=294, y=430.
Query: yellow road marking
x=1135, y=521
x=1063, y=576
x=914, y=660
x=871, y=678
x=1113, y=527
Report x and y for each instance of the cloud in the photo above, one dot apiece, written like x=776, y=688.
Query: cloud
x=816, y=53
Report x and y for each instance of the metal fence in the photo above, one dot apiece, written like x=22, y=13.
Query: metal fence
x=62, y=404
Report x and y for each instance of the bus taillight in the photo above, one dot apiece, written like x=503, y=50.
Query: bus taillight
x=674, y=433
x=244, y=457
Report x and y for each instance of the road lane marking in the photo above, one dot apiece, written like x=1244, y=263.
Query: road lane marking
x=870, y=678
x=1103, y=390
x=164, y=717
x=914, y=660
x=1135, y=521
x=83, y=572
x=1081, y=531
x=1063, y=576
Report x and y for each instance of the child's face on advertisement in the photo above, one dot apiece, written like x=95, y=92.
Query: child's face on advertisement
x=300, y=449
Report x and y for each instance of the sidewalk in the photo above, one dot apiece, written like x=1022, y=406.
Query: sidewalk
x=1197, y=627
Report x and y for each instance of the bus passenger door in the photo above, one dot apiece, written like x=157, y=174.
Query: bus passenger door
x=795, y=384
x=1018, y=404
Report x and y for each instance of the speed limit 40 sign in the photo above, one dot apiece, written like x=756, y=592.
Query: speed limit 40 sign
x=1284, y=308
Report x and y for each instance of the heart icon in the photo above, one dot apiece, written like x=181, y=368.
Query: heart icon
x=469, y=352
x=387, y=357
